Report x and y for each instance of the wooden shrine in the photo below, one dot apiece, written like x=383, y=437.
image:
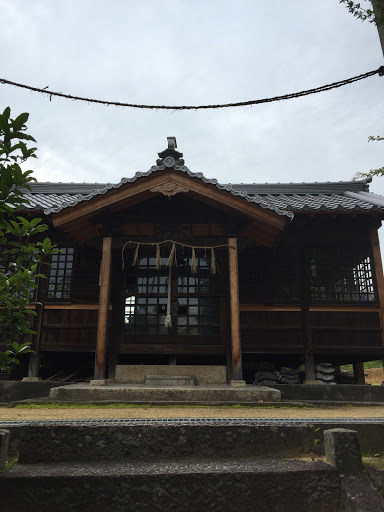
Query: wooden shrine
x=169, y=267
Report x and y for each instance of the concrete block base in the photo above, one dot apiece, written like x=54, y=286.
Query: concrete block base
x=228, y=466
x=100, y=382
x=342, y=450
x=204, y=375
x=169, y=380
x=31, y=379
x=180, y=394
x=4, y=442
x=193, y=486
x=238, y=383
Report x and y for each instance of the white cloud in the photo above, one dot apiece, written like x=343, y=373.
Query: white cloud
x=185, y=52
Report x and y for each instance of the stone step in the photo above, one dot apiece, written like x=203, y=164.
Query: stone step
x=203, y=374
x=169, y=380
x=158, y=440
x=225, y=486
x=195, y=394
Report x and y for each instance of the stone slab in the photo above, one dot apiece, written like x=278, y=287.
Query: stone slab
x=169, y=380
x=335, y=393
x=205, y=375
x=193, y=486
x=196, y=394
x=238, y=383
x=46, y=442
x=98, y=382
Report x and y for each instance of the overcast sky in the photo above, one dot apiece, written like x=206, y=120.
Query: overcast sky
x=195, y=52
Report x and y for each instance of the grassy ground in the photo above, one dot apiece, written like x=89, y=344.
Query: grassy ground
x=373, y=460
x=367, y=365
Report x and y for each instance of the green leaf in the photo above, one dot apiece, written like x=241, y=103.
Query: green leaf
x=6, y=113
x=20, y=121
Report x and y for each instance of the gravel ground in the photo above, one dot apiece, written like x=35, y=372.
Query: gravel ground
x=192, y=412
x=374, y=376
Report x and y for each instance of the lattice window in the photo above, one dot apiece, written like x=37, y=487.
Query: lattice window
x=266, y=277
x=194, y=311
x=145, y=315
x=285, y=280
x=60, y=275
x=341, y=276
x=364, y=281
x=86, y=275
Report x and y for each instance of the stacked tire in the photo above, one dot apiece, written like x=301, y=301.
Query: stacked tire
x=290, y=376
x=265, y=378
x=325, y=373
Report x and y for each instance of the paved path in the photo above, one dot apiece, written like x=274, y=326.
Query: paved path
x=191, y=412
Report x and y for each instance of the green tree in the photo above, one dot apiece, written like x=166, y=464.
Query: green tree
x=372, y=172
x=376, y=16
x=20, y=255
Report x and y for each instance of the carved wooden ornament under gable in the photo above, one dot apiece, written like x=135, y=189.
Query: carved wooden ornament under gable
x=169, y=188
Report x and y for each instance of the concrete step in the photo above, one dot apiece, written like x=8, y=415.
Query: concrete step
x=190, y=485
x=158, y=440
x=195, y=394
x=169, y=380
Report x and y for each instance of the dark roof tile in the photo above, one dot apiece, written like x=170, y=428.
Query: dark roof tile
x=283, y=198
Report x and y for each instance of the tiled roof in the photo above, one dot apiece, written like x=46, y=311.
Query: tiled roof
x=44, y=201
x=178, y=165
x=283, y=198
x=322, y=202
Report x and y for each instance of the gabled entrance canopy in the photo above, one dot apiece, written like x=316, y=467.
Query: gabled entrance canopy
x=170, y=177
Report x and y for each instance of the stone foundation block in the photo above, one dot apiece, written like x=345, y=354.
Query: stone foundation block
x=238, y=383
x=204, y=375
x=4, y=442
x=342, y=450
x=169, y=380
x=99, y=382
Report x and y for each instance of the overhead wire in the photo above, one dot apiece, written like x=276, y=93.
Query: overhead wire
x=327, y=87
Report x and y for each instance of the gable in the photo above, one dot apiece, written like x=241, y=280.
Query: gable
x=77, y=216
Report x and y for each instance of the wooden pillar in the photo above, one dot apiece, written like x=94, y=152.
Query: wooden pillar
x=358, y=372
x=378, y=268
x=237, y=371
x=118, y=305
x=102, y=320
x=309, y=360
x=34, y=359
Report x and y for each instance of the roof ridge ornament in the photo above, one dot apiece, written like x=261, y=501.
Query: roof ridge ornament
x=170, y=188
x=170, y=157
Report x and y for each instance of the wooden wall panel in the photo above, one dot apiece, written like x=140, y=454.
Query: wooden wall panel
x=345, y=320
x=333, y=332
x=344, y=341
x=69, y=330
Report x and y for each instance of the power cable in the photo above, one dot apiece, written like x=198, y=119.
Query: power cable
x=328, y=87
